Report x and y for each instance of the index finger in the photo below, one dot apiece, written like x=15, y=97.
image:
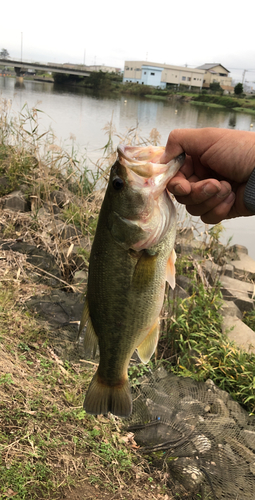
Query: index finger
x=191, y=141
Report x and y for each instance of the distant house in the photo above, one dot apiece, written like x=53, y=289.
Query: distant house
x=162, y=75
x=215, y=72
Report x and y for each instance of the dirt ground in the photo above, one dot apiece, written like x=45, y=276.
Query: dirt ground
x=89, y=492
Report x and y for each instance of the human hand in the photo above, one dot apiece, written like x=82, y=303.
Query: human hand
x=218, y=163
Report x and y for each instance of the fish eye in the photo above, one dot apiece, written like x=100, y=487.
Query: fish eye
x=118, y=183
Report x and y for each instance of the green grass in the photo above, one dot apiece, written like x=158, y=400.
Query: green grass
x=230, y=102
x=209, y=104
x=245, y=110
x=47, y=441
x=157, y=97
x=249, y=319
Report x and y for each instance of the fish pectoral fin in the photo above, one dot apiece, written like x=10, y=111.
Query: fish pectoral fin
x=102, y=398
x=170, y=269
x=84, y=318
x=90, y=340
x=149, y=344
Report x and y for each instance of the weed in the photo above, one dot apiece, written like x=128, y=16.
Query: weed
x=194, y=344
x=249, y=319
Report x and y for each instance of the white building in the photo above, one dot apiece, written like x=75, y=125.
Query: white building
x=162, y=75
x=216, y=73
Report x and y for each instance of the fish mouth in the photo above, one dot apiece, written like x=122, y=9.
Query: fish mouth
x=144, y=167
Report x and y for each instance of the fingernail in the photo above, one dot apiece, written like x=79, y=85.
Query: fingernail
x=178, y=190
x=211, y=189
x=230, y=199
x=224, y=191
x=163, y=158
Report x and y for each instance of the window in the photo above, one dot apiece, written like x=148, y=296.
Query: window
x=194, y=78
x=189, y=79
x=131, y=69
x=144, y=72
x=127, y=68
x=153, y=74
x=183, y=78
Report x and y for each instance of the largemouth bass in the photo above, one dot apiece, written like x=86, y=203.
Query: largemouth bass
x=131, y=259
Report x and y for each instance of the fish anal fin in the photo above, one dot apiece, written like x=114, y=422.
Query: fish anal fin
x=170, y=269
x=102, y=398
x=84, y=318
x=149, y=344
x=90, y=340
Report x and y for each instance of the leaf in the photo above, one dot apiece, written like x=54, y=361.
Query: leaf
x=70, y=249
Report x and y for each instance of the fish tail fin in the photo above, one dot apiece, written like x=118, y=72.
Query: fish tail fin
x=102, y=398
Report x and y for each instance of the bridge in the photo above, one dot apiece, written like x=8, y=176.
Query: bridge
x=21, y=66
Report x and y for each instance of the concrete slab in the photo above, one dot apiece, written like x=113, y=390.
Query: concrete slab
x=244, y=267
x=239, y=332
x=238, y=291
x=229, y=308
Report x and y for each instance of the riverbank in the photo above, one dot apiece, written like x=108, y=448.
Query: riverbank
x=112, y=82
x=48, y=215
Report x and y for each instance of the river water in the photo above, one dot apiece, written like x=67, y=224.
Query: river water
x=73, y=112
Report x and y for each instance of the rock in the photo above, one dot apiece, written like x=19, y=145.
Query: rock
x=69, y=231
x=238, y=291
x=43, y=213
x=38, y=258
x=249, y=438
x=212, y=271
x=58, y=307
x=189, y=247
x=238, y=331
x=177, y=292
x=60, y=197
x=239, y=249
x=244, y=267
x=62, y=230
x=229, y=308
x=80, y=277
x=16, y=201
x=185, y=283
x=228, y=270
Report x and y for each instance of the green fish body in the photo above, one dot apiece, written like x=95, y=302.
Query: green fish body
x=131, y=259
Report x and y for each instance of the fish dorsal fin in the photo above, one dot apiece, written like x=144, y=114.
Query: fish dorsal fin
x=149, y=344
x=90, y=340
x=170, y=269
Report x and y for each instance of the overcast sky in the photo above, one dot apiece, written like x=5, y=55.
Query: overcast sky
x=178, y=32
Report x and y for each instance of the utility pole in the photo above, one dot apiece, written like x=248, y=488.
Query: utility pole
x=21, y=45
x=244, y=71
